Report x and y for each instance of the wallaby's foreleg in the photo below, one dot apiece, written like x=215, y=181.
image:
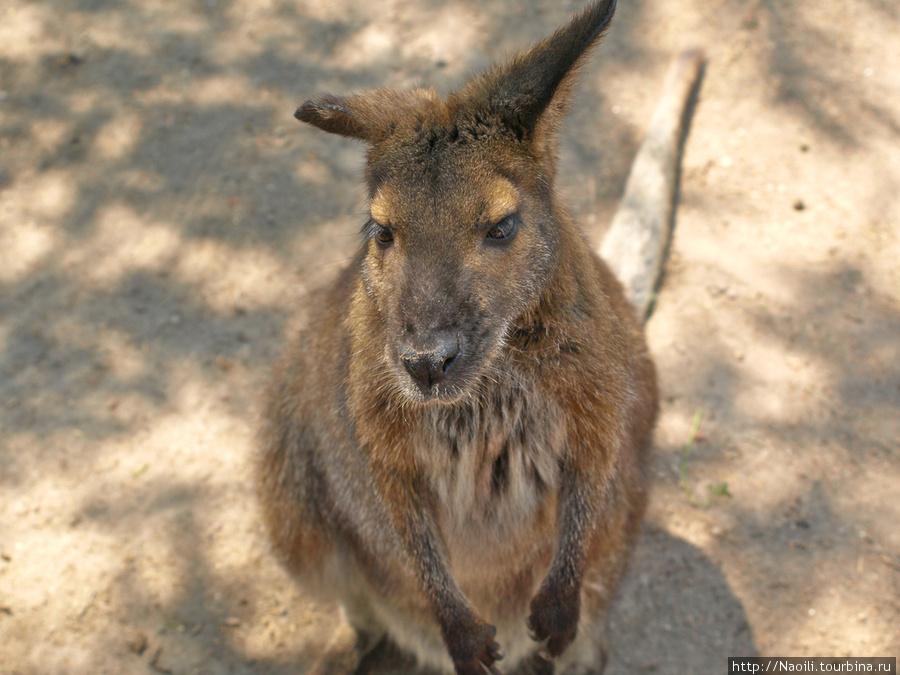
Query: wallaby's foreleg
x=588, y=653
x=599, y=522
x=556, y=608
x=469, y=638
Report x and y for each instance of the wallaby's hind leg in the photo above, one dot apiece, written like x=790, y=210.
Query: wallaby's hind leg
x=368, y=630
x=355, y=636
x=345, y=651
x=599, y=663
x=299, y=538
x=342, y=654
x=589, y=653
x=598, y=658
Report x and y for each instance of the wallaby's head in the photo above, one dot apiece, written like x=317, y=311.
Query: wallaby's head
x=462, y=236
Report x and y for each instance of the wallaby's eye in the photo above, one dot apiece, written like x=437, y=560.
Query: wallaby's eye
x=504, y=230
x=382, y=234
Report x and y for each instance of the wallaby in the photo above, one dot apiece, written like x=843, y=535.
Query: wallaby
x=454, y=448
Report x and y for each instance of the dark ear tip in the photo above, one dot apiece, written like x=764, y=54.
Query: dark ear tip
x=325, y=108
x=605, y=10
x=306, y=112
x=610, y=9
x=334, y=115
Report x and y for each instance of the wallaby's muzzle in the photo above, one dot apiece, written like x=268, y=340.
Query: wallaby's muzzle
x=437, y=350
x=428, y=365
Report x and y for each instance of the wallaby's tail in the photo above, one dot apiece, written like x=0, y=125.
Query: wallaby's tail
x=637, y=240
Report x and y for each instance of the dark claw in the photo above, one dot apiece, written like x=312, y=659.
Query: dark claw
x=532, y=631
x=494, y=652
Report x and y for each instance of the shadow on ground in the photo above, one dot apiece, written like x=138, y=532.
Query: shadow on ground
x=163, y=217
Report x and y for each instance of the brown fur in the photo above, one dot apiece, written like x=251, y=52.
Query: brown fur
x=456, y=441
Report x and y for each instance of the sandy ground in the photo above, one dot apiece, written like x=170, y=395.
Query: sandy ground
x=162, y=217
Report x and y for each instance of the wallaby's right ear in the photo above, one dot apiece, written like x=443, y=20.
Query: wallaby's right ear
x=370, y=116
x=335, y=115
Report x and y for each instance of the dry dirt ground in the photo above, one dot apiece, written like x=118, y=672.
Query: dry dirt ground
x=162, y=218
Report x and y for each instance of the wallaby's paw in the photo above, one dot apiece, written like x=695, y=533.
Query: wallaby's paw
x=474, y=650
x=554, y=619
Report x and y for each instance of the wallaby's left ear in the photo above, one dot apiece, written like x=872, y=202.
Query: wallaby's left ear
x=536, y=83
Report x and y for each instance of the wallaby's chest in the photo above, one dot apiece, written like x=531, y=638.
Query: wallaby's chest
x=493, y=462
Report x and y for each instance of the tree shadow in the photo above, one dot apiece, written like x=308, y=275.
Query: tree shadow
x=167, y=216
x=676, y=611
x=794, y=440
x=809, y=74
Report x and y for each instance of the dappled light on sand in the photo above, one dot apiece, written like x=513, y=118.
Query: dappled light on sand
x=163, y=219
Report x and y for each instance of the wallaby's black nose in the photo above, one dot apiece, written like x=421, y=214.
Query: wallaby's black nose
x=429, y=367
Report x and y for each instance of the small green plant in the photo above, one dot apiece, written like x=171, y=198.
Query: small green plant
x=719, y=489
x=715, y=489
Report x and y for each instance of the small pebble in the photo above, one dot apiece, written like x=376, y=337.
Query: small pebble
x=138, y=643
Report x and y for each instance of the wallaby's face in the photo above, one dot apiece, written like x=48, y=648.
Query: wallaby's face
x=461, y=238
x=457, y=246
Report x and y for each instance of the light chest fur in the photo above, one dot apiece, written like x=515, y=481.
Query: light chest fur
x=492, y=459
